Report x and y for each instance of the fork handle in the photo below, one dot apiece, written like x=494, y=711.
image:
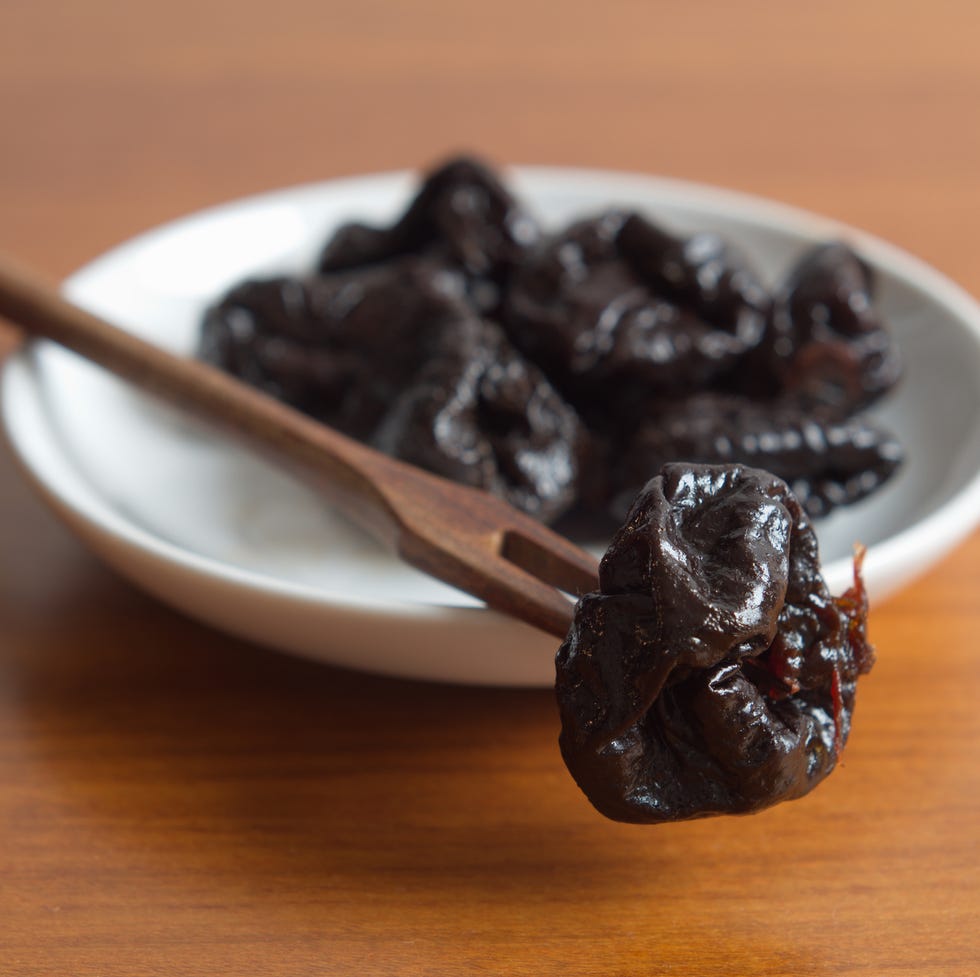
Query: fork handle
x=351, y=471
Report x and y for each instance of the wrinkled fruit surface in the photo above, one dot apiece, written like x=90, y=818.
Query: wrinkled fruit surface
x=712, y=672
x=560, y=370
x=394, y=357
x=827, y=463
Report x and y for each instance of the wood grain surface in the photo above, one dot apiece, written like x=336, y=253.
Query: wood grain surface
x=177, y=802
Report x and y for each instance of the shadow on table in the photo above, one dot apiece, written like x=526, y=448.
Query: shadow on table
x=229, y=774
x=144, y=717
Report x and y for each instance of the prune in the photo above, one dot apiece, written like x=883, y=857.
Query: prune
x=827, y=346
x=480, y=414
x=339, y=348
x=827, y=463
x=704, y=274
x=462, y=217
x=712, y=672
x=617, y=311
x=392, y=355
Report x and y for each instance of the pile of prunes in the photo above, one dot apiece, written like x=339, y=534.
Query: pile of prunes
x=562, y=369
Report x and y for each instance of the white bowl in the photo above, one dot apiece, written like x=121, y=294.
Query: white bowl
x=228, y=539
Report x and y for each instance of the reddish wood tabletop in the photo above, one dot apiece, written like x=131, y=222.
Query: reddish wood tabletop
x=175, y=801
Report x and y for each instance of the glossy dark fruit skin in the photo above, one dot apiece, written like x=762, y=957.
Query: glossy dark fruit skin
x=480, y=414
x=393, y=355
x=625, y=340
x=616, y=311
x=338, y=348
x=827, y=346
x=712, y=672
x=827, y=462
x=705, y=274
x=462, y=218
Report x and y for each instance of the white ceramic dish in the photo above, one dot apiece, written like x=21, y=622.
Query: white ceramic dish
x=224, y=537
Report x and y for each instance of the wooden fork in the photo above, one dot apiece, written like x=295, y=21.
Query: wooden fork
x=462, y=536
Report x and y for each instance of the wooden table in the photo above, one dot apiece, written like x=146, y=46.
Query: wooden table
x=173, y=801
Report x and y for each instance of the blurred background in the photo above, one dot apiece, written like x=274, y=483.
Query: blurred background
x=173, y=800
x=133, y=113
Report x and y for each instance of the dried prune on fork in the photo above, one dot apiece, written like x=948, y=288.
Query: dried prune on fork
x=712, y=672
x=826, y=462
